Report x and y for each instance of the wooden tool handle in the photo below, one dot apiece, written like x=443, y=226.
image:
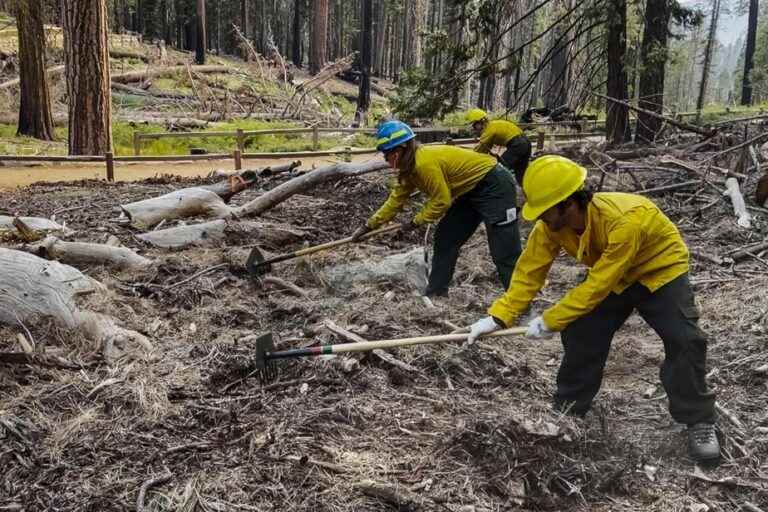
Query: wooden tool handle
x=336, y=243
x=365, y=346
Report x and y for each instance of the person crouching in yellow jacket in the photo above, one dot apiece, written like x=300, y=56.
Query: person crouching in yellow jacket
x=463, y=188
x=638, y=261
x=500, y=132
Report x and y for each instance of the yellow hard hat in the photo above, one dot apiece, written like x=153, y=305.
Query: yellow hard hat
x=549, y=180
x=475, y=115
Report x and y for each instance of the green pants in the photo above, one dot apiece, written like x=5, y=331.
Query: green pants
x=671, y=312
x=517, y=156
x=492, y=201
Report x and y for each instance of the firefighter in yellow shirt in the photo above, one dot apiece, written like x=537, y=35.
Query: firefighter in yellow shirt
x=638, y=261
x=499, y=132
x=463, y=188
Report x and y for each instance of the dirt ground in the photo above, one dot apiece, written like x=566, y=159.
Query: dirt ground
x=466, y=430
x=13, y=176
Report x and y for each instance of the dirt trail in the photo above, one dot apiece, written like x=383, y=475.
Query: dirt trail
x=22, y=175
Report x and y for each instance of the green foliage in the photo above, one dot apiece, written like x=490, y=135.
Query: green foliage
x=420, y=95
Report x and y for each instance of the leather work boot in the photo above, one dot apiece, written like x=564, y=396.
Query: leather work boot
x=702, y=442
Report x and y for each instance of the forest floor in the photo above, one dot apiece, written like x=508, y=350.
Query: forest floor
x=466, y=430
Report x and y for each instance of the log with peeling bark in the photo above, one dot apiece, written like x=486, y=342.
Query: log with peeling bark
x=207, y=233
x=138, y=76
x=744, y=219
x=265, y=172
x=35, y=288
x=38, y=224
x=179, y=204
x=86, y=253
x=306, y=181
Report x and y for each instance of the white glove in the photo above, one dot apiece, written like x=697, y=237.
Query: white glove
x=538, y=329
x=482, y=326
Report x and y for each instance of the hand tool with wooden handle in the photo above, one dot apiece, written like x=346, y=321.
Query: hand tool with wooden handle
x=257, y=265
x=266, y=353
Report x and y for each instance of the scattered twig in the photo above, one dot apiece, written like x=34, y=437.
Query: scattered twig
x=152, y=482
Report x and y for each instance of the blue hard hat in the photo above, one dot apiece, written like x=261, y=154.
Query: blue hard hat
x=391, y=134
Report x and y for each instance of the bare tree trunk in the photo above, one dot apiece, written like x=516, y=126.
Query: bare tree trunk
x=708, y=52
x=653, y=53
x=556, y=94
x=319, y=40
x=749, y=54
x=617, y=116
x=200, y=40
x=366, y=35
x=412, y=25
x=86, y=57
x=35, y=117
x=244, y=25
x=296, y=48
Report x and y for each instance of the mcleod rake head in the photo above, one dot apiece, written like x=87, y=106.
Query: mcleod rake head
x=264, y=367
x=255, y=264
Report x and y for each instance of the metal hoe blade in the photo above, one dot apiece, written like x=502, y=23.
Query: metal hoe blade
x=255, y=263
x=264, y=367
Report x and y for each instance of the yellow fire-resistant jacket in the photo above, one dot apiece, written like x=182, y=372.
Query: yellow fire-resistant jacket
x=627, y=239
x=443, y=173
x=498, y=132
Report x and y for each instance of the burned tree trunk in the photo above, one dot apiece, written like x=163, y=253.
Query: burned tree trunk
x=653, y=54
x=749, y=54
x=319, y=40
x=617, y=115
x=364, y=95
x=86, y=57
x=296, y=47
x=35, y=117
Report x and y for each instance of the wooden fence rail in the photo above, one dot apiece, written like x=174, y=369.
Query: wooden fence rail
x=238, y=156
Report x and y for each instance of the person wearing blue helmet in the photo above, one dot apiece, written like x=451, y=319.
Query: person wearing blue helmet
x=463, y=189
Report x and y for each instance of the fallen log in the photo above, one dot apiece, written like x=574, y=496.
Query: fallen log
x=86, y=253
x=138, y=76
x=179, y=204
x=35, y=289
x=116, y=86
x=207, y=233
x=51, y=72
x=744, y=219
x=38, y=224
x=674, y=122
x=126, y=54
x=265, y=172
x=236, y=183
x=306, y=181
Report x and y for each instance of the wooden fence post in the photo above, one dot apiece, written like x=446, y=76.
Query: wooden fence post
x=109, y=158
x=240, y=140
x=315, y=138
x=238, y=160
x=136, y=143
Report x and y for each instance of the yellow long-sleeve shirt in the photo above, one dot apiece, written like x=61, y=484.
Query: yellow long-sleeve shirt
x=627, y=239
x=498, y=132
x=443, y=173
